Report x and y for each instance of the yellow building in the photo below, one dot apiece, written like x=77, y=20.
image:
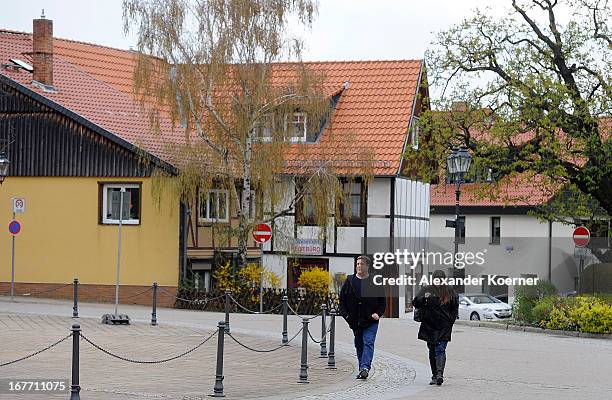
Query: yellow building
x=76, y=143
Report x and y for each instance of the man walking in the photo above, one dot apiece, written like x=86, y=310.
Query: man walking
x=362, y=303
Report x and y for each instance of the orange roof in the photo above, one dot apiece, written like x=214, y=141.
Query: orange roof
x=369, y=124
x=90, y=97
x=516, y=191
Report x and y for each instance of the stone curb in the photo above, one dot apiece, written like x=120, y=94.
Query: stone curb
x=511, y=327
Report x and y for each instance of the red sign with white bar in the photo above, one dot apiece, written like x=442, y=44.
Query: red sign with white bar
x=581, y=236
x=262, y=233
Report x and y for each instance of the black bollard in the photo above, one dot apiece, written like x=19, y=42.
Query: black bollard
x=218, y=389
x=304, y=363
x=331, y=356
x=154, y=312
x=323, y=331
x=75, y=296
x=285, y=309
x=227, y=310
x=74, y=387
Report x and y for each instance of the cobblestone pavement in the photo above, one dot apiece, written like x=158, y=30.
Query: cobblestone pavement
x=247, y=374
x=482, y=363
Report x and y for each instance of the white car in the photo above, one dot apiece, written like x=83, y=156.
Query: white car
x=482, y=306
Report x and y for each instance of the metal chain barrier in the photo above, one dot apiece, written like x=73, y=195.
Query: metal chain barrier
x=36, y=353
x=255, y=312
x=46, y=291
x=318, y=341
x=148, y=361
x=199, y=301
x=301, y=316
x=136, y=295
x=264, y=351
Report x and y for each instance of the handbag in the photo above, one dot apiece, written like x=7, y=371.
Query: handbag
x=418, y=314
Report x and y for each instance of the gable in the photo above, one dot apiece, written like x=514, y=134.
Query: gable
x=40, y=141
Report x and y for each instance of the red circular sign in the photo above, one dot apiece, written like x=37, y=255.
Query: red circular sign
x=14, y=227
x=581, y=236
x=262, y=233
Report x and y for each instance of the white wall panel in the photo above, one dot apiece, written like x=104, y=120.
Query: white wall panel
x=350, y=239
x=379, y=197
x=278, y=265
x=379, y=227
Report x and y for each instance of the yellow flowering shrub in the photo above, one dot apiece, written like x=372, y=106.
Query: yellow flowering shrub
x=315, y=280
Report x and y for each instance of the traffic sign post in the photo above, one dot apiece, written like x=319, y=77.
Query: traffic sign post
x=581, y=237
x=19, y=205
x=262, y=233
x=14, y=229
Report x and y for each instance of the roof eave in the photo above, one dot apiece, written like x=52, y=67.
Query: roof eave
x=414, y=103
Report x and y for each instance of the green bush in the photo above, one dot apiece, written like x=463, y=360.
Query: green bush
x=540, y=313
x=585, y=314
x=558, y=319
x=526, y=298
x=591, y=315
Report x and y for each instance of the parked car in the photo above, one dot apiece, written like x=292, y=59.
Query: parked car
x=482, y=306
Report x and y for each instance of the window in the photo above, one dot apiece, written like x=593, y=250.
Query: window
x=214, y=206
x=352, y=207
x=296, y=125
x=461, y=221
x=495, y=230
x=415, y=132
x=304, y=210
x=264, y=128
x=111, y=203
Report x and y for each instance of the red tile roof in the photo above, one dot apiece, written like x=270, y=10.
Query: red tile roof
x=370, y=121
x=517, y=191
x=88, y=95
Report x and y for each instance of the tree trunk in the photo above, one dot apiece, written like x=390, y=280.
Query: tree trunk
x=245, y=204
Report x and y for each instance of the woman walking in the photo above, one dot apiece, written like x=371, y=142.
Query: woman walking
x=439, y=307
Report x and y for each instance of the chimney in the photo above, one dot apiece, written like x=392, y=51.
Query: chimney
x=42, y=35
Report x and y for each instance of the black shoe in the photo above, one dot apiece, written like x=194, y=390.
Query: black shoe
x=363, y=374
x=440, y=364
x=432, y=364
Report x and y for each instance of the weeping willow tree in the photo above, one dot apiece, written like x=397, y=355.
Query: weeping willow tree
x=528, y=93
x=212, y=67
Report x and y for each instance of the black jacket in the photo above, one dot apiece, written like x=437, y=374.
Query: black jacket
x=357, y=308
x=438, y=319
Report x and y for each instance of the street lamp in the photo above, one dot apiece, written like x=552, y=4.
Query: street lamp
x=458, y=164
x=4, y=166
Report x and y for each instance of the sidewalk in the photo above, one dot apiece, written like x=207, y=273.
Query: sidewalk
x=483, y=363
x=31, y=324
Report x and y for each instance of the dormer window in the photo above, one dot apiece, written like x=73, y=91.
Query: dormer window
x=296, y=125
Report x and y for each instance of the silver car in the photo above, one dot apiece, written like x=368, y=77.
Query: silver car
x=482, y=306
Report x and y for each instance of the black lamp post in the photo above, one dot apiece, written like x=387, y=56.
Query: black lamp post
x=4, y=166
x=458, y=164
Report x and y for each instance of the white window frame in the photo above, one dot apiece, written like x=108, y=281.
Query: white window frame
x=297, y=139
x=415, y=131
x=227, y=206
x=109, y=221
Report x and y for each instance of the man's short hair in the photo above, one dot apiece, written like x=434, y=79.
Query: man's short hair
x=365, y=259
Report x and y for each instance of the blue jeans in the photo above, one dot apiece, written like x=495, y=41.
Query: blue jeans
x=437, y=349
x=364, y=344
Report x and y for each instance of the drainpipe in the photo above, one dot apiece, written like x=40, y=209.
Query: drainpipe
x=550, y=251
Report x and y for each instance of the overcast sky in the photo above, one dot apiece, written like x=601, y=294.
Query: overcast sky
x=344, y=29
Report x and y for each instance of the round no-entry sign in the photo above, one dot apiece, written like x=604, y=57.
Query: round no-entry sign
x=14, y=227
x=262, y=233
x=581, y=236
